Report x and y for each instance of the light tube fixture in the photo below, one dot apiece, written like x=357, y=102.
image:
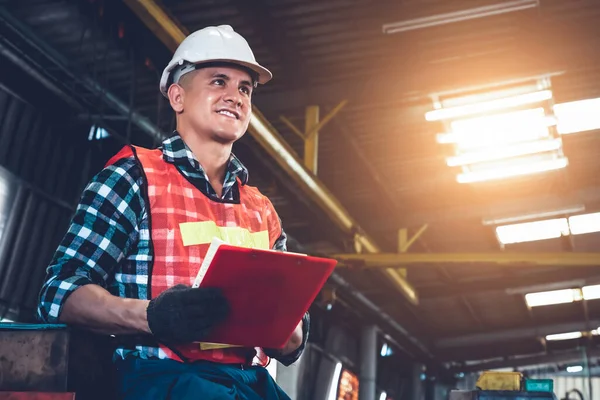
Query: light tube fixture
x=459, y=16
x=514, y=171
x=487, y=106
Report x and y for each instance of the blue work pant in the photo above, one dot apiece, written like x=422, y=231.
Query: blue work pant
x=168, y=379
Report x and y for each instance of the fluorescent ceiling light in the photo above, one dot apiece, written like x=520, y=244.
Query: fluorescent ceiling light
x=550, y=229
x=546, y=287
x=532, y=231
x=333, y=386
x=509, y=219
x=511, y=151
x=458, y=16
x=565, y=336
x=487, y=106
x=591, y=292
x=585, y=223
x=574, y=368
x=494, y=130
x=514, y=171
x=577, y=116
x=552, y=297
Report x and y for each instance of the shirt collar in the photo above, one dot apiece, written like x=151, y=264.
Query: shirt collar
x=176, y=151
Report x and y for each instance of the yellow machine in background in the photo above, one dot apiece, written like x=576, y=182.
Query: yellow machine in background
x=493, y=385
x=490, y=380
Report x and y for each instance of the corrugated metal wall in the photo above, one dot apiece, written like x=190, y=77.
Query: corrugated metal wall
x=42, y=170
x=563, y=384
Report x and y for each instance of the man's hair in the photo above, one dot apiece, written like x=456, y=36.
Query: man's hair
x=184, y=80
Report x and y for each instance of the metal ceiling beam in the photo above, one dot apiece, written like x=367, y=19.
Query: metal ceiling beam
x=392, y=260
x=93, y=88
x=275, y=38
x=566, y=276
x=516, y=362
x=522, y=205
x=157, y=19
x=423, y=76
x=507, y=335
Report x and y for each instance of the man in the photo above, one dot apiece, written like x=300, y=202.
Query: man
x=123, y=268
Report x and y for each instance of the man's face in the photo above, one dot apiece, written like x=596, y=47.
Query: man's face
x=216, y=102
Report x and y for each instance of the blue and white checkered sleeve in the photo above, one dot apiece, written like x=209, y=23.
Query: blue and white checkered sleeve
x=102, y=231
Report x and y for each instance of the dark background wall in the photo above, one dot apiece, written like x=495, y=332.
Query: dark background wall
x=45, y=161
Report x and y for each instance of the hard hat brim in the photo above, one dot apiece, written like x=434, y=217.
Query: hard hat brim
x=264, y=75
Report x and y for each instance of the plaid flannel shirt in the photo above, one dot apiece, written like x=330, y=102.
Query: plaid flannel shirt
x=108, y=241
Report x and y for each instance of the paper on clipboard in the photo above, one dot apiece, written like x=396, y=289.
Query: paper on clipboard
x=210, y=254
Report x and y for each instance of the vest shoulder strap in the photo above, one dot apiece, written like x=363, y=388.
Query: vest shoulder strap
x=146, y=156
x=125, y=152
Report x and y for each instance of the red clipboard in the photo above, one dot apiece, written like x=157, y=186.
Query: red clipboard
x=268, y=292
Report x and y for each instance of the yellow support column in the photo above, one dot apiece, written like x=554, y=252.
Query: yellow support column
x=311, y=138
x=404, y=243
x=312, y=125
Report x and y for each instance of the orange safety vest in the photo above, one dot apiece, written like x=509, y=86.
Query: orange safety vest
x=183, y=221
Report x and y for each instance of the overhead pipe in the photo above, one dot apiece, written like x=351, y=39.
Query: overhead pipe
x=490, y=338
x=171, y=34
x=387, y=260
x=99, y=91
x=565, y=357
x=17, y=59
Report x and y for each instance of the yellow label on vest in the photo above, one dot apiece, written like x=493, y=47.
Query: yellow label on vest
x=215, y=346
x=202, y=232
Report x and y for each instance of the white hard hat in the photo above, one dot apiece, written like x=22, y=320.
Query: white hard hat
x=214, y=44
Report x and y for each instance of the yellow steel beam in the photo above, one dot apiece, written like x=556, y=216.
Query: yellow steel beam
x=327, y=118
x=311, y=138
x=291, y=125
x=404, y=243
x=402, y=248
x=172, y=33
x=154, y=16
x=390, y=260
x=317, y=127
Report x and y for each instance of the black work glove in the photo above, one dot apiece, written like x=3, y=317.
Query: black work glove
x=183, y=314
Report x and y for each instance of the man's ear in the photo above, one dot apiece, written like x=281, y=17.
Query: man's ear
x=176, y=97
